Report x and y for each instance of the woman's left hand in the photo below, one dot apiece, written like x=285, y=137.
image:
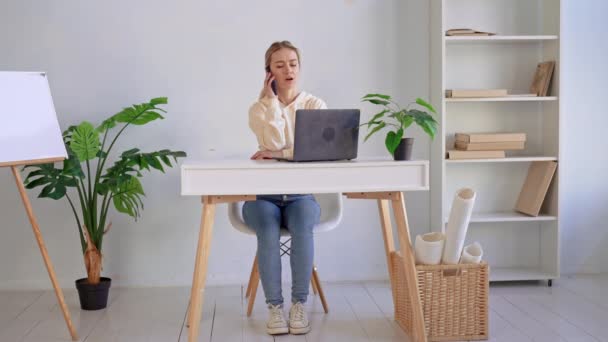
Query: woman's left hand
x=266, y=155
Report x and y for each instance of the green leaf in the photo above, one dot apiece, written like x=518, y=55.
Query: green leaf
x=126, y=197
x=54, y=181
x=376, y=117
x=85, y=141
x=71, y=165
x=425, y=121
x=158, y=100
x=138, y=114
x=376, y=129
x=130, y=164
x=406, y=121
x=106, y=125
x=377, y=102
x=392, y=140
x=430, y=127
x=382, y=96
x=68, y=132
x=426, y=105
x=151, y=159
x=166, y=160
x=130, y=152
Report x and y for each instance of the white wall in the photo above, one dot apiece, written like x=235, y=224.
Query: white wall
x=584, y=165
x=207, y=57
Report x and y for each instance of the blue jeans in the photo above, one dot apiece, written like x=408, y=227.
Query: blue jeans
x=297, y=213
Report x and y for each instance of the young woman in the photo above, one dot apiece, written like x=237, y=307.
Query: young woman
x=272, y=119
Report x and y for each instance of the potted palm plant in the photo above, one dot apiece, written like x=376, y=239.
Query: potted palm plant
x=97, y=188
x=392, y=115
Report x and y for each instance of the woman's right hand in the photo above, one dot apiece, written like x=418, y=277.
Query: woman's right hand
x=267, y=91
x=266, y=155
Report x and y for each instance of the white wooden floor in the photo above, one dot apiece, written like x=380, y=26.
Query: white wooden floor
x=574, y=309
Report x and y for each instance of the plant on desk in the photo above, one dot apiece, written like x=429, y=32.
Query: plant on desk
x=98, y=188
x=400, y=119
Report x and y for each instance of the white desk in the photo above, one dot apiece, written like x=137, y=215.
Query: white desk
x=225, y=181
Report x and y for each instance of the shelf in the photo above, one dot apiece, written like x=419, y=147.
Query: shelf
x=501, y=160
x=507, y=216
x=517, y=246
x=500, y=39
x=503, y=99
x=519, y=273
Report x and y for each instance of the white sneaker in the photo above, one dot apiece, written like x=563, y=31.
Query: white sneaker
x=298, y=320
x=276, y=320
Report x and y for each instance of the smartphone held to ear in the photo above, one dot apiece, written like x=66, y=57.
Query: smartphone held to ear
x=273, y=84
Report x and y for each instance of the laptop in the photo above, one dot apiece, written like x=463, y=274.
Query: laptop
x=325, y=135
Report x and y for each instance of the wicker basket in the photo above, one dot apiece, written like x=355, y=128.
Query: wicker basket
x=454, y=300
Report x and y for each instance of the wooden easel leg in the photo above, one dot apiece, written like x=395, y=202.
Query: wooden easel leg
x=45, y=255
x=254, y=267
x=200, y=269
x=317, y=282
x=419, y=332
x=389, y=243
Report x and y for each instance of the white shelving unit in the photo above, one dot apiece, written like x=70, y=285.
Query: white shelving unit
x=517, y=246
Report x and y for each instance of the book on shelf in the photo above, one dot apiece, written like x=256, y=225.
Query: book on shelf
x=522, y=95
x=534, y=190
x=542, y=78
x=468, y=93
x=455, y=154
x=467, y=32
x=489, y=137
x=490, y=146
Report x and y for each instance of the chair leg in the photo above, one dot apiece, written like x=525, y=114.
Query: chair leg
x=253, y=270
x=254, y=290
x=315, y=277
x=314, y=285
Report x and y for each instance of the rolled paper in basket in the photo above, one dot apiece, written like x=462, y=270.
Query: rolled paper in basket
x=428, y=248
x=458, y=223
x=471, y=254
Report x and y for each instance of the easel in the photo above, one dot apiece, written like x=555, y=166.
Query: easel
x=35, y=138
x=38, y=235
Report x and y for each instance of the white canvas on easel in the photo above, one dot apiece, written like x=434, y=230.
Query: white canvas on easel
x=29, y=130
x=30, y=134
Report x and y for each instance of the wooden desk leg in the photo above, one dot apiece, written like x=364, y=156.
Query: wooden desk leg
x=196, y=268
x=389, y=243
x=418, y=330
x=200, y=269
x=45, y=255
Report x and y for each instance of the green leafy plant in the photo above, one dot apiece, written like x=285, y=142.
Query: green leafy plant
x=392, y=115
x=97, y=188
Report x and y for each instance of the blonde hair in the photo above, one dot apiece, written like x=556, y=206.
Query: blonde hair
x=276, y=46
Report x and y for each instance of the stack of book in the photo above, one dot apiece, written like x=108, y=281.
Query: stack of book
x=472, y=93
x=486, y=145
x=467, y=32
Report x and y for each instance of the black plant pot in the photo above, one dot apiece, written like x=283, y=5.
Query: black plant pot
x=404, y=149
x=93, y=297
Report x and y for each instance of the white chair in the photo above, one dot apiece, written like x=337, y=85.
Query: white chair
x=331, y=215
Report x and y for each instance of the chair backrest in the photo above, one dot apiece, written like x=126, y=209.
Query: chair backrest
x=331, y=214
